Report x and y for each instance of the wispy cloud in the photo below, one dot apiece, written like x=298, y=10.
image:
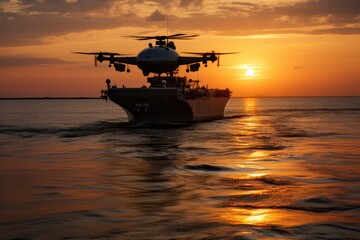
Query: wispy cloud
x=156, y=16
x=27, y=22
x=23, y=61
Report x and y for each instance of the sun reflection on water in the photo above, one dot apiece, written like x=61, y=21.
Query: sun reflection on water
x=249, y=105
x=257, y=217
x=256, y=175
x=251, y=122
x=258, y=155
x=247, y=217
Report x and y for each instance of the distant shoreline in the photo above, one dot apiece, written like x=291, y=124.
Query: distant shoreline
x=50, y=98
x=85, y=98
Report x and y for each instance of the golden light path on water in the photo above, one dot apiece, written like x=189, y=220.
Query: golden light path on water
x=266, y=171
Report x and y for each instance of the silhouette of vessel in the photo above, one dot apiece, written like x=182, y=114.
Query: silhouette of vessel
x=169, y=99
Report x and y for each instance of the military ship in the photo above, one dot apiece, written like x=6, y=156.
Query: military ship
x=169, y=100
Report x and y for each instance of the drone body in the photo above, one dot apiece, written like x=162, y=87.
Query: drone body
x=158, y=59
x=162, y=58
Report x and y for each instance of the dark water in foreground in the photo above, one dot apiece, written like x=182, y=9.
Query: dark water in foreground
x=280, y=168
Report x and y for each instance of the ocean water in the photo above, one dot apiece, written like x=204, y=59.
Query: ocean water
x=273, y=168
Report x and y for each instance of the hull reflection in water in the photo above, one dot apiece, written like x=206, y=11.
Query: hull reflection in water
x=279, y=168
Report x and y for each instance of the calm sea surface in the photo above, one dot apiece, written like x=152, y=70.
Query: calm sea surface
x=273, y=168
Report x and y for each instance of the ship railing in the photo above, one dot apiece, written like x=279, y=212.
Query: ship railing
x=196, y=93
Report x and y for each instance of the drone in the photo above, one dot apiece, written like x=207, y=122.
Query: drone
x=158, y=59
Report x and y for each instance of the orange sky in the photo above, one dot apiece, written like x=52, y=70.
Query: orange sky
x=288, y=48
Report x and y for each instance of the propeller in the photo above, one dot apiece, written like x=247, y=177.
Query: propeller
x=100, y=53
x=213, y=55
x=99, y=56
x=180, y=36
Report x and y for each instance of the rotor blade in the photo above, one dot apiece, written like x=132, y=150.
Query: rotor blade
x=141, y=37
x=88, y=53
x=155, y=37
x=210, y=53
x=195, y=53
x=176, y=35
x=225, y=53
x=98, y=53
x=179, y=36
x=111, y=53
x=183, y=37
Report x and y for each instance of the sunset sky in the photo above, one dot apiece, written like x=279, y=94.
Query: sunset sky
x=288, y=47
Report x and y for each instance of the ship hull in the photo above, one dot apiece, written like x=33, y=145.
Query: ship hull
x=166, y=105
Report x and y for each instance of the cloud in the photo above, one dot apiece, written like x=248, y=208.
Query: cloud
x=298, y=67
x=24, y=61
x=156, y=16
x=18, y=29
x=342, y=31
x=309, y=17
x=189, y=3
x=77, y=6
x=28, y=22
x=344, y=8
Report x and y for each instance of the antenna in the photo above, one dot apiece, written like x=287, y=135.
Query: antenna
x=167, y=29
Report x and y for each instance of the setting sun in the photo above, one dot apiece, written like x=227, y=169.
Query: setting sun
x=250, y=72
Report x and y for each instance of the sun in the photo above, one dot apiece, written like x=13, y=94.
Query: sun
x=253, y=71
x=250, y=72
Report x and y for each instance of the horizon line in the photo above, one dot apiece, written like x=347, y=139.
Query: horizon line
x=69, y=98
